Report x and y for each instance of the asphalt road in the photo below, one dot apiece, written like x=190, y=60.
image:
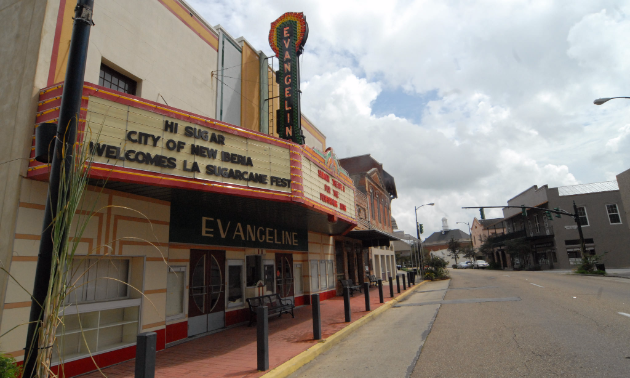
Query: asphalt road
x=493, y=324
x=563, y=326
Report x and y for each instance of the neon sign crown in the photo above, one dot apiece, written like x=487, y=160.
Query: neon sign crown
x=301, y=28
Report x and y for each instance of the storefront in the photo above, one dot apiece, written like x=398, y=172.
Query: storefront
x=193, y=217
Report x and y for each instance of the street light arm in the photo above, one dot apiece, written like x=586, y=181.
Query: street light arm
x=601, y=101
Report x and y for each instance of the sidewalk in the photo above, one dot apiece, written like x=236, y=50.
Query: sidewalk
x=232, y=353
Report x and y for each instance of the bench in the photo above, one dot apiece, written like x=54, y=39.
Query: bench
x=350, y=285
x=275, y=305
x=373, y=280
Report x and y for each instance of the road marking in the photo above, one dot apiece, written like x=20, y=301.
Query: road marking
x=536, y=285
x=624, y=314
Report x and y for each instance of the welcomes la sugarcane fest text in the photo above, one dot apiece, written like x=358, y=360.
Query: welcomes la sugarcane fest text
x=146, y=139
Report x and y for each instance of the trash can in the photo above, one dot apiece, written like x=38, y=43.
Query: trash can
x=600, y=267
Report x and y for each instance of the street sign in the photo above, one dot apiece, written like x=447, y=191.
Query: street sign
x=574, y=227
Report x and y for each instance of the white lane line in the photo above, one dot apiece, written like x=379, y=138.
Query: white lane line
x=624, y=314
x=536, y=285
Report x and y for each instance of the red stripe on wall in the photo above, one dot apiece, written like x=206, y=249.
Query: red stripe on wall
x=177, y=331
x=237, y=316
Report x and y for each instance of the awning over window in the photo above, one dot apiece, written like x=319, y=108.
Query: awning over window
x=372, y=238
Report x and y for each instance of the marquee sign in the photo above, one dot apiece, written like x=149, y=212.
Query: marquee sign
x=134, y=138
x=326, y=190
x=287, y=37
x=223, y=220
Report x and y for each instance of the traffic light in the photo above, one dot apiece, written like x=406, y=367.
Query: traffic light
x=548, y=215
x=557, y=215
x=481, y=212
x=421, y=229
x=524, y=211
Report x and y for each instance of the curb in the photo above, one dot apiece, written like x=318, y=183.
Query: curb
x=308, y=355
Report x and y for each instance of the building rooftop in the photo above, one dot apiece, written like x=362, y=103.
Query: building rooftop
x=595, y=187
x=443, y=237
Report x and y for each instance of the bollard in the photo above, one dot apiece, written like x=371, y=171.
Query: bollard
x=404, y=282
x=391, y=287
x=366, y=288
x=409, y=279
x=398, y=283
x=317, y=317
x=262, y=336
x=346, y=304
x=412, y=281
x=380, y=290
x=145, y=355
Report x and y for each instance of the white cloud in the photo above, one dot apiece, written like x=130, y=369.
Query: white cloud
x=515, y=81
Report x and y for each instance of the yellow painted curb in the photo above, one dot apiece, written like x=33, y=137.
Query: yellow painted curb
x=308, y=355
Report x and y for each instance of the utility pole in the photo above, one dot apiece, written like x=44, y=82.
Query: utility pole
x=62, y=155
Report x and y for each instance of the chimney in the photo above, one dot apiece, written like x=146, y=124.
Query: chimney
x=445, y=224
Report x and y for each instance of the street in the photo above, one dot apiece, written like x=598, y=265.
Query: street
x=493, y=324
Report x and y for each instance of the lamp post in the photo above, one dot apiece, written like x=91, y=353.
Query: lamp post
x=470, y=234
x=601, y=101
x=418, y=235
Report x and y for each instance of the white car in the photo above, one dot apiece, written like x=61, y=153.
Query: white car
x=480, y=264
x=464, y=265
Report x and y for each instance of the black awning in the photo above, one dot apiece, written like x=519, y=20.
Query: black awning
x=372, y=238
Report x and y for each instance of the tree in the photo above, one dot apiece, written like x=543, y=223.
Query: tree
x=486, y=249
x=468, y=252
x=454, y=249
x=519, y=248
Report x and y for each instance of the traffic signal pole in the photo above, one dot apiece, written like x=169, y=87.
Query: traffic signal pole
x=559, y=212
x=576, y=217
x=61, y=156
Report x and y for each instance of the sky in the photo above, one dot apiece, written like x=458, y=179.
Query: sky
x=464, y=102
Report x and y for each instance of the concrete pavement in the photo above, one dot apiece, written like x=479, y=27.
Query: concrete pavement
x=388, y=346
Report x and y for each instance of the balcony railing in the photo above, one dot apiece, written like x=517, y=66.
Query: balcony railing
x=526, y=233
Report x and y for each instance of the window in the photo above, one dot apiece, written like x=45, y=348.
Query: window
x=331, y=274
x=235, y=283
x=106, y=280
x=112, y=79
x=582, y=216
x=102, y=316
x=269, y=276
x=613, y=214
x=175, y=285
x=253, y=269
x=537, y=223
x=299, y=285
x=84, y=332
x=322, y=275
x=314, y=276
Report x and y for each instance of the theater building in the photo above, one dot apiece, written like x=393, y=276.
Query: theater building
x=199, y=205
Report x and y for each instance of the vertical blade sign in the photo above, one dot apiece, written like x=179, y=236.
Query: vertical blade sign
x=287, y=37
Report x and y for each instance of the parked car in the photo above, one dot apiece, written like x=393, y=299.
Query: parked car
x=464, y=265
x=480, y=264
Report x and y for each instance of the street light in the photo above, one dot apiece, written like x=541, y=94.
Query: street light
x=469, y=233
x=418, y=235
x=600, y=101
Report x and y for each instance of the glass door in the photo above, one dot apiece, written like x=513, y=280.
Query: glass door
x=206, y=305
x=284, y=274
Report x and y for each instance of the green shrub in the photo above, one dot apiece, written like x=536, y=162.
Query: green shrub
x=429, y=276
x=494, y=266
x=8, y=367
